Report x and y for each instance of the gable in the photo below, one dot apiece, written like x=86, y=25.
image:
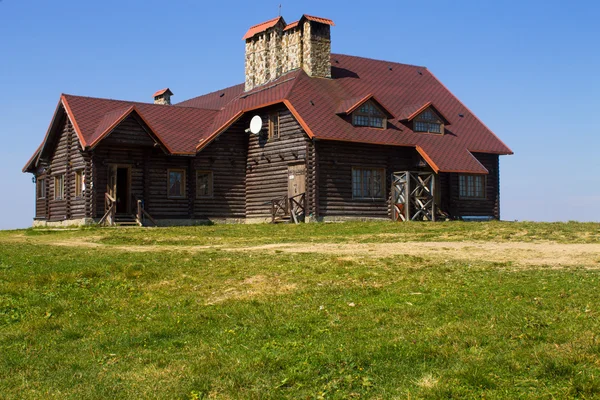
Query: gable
x=130, y=132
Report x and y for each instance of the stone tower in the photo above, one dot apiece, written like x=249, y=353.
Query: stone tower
x=274, y=48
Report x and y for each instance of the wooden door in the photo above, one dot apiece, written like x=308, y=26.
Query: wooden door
x=296, y=179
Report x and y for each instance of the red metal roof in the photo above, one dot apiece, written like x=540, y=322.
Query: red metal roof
x=179, y=129
x=404, y=89
x=315, y=102
x=263, y=26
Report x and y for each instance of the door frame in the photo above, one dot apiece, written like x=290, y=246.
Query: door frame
x=116, y=167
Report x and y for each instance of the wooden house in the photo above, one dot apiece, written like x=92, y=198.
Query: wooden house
x=342, y=137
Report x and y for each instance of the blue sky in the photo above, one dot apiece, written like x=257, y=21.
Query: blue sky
x=528, y=69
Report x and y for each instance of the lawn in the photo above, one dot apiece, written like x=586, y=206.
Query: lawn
x=222, y=312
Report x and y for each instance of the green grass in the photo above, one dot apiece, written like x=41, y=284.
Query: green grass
x=87, y=323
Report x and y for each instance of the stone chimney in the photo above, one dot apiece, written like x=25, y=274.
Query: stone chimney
x=274, y=48
x=163, y=97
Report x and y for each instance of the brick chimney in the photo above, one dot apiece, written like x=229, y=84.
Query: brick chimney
x=274, y=48
x=163, y=97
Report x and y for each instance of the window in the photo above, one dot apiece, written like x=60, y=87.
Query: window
x=368, y=115
x=41, y=188
x=204, y=184
x=368, y=183
x=274, y=126
x=79, y=183
x=176, y=188
x=59, y=187
x=472, y=186
x=428, y=121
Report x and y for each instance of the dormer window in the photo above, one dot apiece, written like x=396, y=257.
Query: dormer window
x=428, y=121
x=369, y=115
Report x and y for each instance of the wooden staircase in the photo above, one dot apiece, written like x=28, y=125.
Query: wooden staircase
x=137, y=217
x=126, y=220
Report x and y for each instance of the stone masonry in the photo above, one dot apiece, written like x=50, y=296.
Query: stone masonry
x=278, y=50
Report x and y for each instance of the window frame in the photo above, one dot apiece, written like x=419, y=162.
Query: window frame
x=274, y=131
x=59, y=178
x=40, y=194
x=381, y=172
x=79, y=174
x=211, y=184
x=356, y=114
x=429, y=122
x=183, y=182
x=466, y=191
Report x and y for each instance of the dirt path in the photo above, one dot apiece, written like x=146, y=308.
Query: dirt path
x=523, y=254
x=551, y=254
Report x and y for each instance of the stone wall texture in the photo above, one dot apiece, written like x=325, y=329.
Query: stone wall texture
x=277, y=51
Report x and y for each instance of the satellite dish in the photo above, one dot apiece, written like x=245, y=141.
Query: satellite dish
x=256, y=124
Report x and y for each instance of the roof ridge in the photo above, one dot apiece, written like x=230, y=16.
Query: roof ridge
x=207, y=94
x=265, y=22
x=134, y=102
x=381, y=61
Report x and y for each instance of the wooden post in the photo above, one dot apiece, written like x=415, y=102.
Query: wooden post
x=433, y=197
x=407, y=196
x=191, y=188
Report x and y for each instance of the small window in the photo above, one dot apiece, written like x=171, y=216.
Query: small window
x=274, y=126
x=176, y=187
x=428, y=121
x=368, y=183
x=79, y=183
x=472, y=186
x=41, y=188
x=204, y=184
x=368, y=115
x=59, y=187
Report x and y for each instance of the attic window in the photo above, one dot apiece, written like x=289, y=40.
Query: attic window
x=428, y=121
x=274, y=125
x=369, y=115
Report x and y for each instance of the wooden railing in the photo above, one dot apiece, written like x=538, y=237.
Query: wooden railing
x=293, y=207
x=139, y=212
x=279, y=208
x=298, y=207
x=110, y=209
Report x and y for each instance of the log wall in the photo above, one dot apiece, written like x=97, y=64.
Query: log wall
x=268, y=160
x=335, y=163
x=490, y=206
x=65, y=158
x=225, y=157
x=127, y=146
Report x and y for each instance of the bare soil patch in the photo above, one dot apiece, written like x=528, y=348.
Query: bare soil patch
x=529, y=254
x=518, y=254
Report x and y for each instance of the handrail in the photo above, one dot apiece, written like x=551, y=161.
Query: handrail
x=298, y=203
x=140, y=212
x=279, y=205
x=110, y=208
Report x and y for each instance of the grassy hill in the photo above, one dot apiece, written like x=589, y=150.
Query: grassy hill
x=354, y=310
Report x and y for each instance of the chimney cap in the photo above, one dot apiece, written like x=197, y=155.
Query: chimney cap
x=164, y=91
x=320, y=20
x=263, y=26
